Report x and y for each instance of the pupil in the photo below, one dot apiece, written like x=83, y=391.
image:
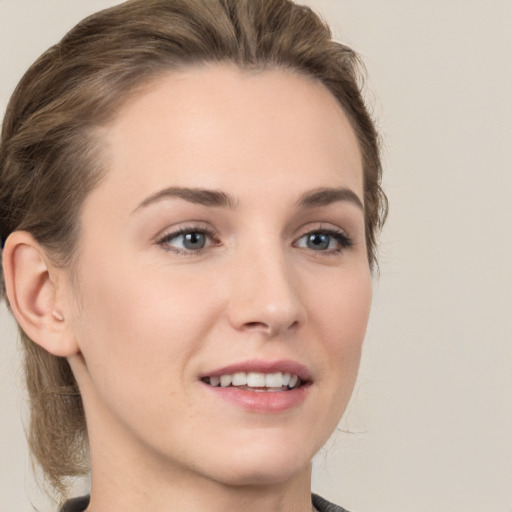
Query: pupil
x=194, y=240
x=318, y=241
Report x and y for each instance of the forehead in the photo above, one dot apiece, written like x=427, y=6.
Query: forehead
x=214, y=125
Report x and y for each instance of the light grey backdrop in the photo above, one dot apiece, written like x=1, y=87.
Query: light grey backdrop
x=431, y=419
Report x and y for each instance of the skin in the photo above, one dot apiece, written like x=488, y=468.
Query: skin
x=153, y=317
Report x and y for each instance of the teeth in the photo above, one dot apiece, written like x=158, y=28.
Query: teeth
x=256, y=380
x=239, y=379
x=225, y=380
x=274, y=380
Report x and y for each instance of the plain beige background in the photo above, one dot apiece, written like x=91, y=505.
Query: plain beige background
x=431, y=419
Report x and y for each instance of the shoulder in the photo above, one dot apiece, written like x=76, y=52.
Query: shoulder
x=325, y=506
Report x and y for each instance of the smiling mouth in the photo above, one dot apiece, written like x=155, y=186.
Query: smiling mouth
x=256, y=381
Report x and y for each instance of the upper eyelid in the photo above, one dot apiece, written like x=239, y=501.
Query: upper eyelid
x=186, y=228
x=327, y=231
x=322, y=227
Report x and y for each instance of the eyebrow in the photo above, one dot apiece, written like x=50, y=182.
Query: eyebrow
x=205, y=197
x=325, y=196
x=216, y=198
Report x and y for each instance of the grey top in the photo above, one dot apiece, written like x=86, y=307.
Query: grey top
x=325, y=506
x=76, y=504
x=80, y=504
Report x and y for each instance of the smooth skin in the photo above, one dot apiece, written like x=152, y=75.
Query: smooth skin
x=172, y=286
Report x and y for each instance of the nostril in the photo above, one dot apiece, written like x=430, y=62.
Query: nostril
x=256, y=325
x=269, y=328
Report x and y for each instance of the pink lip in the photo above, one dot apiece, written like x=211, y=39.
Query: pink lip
x=256, y=365
x=262, y=401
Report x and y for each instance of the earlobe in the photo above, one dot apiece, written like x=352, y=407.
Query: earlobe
x=32, y=291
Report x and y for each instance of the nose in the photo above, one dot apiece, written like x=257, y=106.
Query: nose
x=265, y=294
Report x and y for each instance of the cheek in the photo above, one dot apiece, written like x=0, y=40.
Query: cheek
x=341, y=316
x=342, y=308
x=134, y=326
x=136, y=336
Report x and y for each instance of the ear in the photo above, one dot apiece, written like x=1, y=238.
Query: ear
x=31, y=283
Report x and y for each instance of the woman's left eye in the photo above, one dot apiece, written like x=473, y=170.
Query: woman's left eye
x=324, y=241
x=187, y=240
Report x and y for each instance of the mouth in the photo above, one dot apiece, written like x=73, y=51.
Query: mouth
x=261, y=386
x=256, y=381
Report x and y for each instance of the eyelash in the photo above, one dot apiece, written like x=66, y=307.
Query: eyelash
x=344, y=241
x=164, y=240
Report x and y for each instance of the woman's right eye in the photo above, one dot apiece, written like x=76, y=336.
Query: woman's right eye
x=187, y=241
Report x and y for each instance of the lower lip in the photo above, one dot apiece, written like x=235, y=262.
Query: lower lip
x=262, y=401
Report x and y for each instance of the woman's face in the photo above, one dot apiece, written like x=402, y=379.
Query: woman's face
x=226, y=239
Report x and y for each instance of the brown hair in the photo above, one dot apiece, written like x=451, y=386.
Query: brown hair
x=50, y=155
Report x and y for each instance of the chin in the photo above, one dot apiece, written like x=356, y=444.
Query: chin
x=255, y=475
x=256, y=465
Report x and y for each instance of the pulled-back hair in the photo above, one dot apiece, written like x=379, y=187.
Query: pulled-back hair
x=50, y=155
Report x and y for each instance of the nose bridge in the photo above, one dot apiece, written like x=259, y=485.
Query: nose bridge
x=264, y=292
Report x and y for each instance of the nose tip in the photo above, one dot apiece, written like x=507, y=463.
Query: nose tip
x=266, y=301
x=272, y=323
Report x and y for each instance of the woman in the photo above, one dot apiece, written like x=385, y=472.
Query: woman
x=190, y=197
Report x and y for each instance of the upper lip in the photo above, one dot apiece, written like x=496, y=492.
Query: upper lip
x=258, y=365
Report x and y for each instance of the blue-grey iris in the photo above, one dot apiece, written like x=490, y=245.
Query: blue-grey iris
x=194, y=240
x=318, y=241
